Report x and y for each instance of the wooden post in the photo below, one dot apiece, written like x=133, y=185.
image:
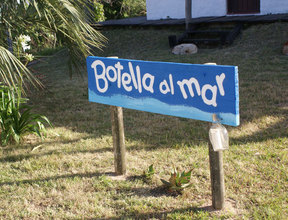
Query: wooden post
x=118, y=140
x=217, y=177
x=188, y=13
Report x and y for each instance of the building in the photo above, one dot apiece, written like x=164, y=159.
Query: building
x=163, y=9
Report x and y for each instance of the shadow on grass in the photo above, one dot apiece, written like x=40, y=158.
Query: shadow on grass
x=20, y=157
x=164, y=215
x=157, y=191
x=32, y=146
x=66, y=176
x=30, y=154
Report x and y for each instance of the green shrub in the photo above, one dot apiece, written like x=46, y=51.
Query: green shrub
x=16, y=119
x=99, y=14
x=133, y=8
x=116, y=9
x=112, y=9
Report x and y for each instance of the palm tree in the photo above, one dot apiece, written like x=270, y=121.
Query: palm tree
x=66, y=19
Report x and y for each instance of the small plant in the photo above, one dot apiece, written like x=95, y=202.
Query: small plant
x=16, y=119
x=178, y=181
x=147, y=174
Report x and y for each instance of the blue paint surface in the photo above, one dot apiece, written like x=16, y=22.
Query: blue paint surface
x=163, y=88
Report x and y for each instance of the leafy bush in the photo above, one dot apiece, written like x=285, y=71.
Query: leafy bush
x=112, y=9
x=133, y=8
x=16, y=119
x=116, y=9
x=99, y=14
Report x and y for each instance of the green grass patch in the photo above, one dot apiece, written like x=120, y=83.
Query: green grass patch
x=69, y=174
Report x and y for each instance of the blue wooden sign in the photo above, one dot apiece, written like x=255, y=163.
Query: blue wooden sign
x=185, y=90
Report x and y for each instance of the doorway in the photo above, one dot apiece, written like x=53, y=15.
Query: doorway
x=243, y=6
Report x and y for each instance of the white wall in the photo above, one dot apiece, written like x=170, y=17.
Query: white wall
x=273, y=6
x=207, y=8
x=162, y=9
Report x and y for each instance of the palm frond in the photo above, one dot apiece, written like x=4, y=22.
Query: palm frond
x=69, y=20
x=12, y=71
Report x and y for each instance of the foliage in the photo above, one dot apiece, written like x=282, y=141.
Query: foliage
x=42, y=39
x=147, y=174
x=16, y=119
x=12, y=70
x=20, y=47
x=116, y=9
x=9, y=97
x=178, y=181
x=133, y=8
x=112, y=9
x=66, y=20
x=99, y=14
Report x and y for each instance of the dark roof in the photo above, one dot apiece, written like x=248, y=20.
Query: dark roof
x=142, y=21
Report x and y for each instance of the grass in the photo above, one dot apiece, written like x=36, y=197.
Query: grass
x=70, y=173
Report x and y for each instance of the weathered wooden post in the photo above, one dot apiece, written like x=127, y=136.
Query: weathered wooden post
x=188, y=14
x=118, y=140
x=218, y=141
x=217, y=178
x=216, y=171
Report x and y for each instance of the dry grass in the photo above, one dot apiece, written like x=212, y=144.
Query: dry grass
x=69, y=174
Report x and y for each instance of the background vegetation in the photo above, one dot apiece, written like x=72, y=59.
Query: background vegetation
x=38, y=24
x=116, y=9
x=69, y=174
x=44, y=22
